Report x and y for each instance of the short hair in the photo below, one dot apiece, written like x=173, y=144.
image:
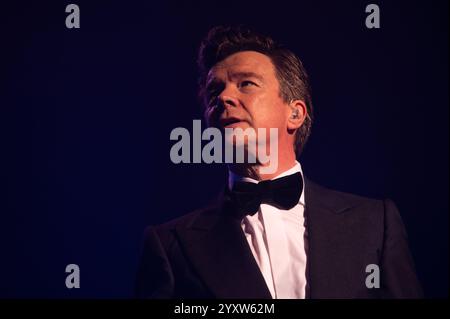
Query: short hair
x=223, y=41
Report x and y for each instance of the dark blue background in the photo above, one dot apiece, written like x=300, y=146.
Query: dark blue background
x=86, y=116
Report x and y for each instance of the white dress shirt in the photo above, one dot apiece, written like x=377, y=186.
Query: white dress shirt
x=277, y=240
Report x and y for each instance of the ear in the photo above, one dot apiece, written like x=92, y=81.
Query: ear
x=297, y=115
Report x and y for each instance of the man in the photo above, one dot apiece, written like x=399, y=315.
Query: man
x=273, y=234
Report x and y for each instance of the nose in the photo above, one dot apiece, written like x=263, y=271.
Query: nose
x=223, y=102
x=226, y=99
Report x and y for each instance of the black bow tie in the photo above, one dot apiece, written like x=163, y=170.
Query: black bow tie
x=282, y=193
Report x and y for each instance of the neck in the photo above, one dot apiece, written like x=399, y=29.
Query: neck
x=285, y=162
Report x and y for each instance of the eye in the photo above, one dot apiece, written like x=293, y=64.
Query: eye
x=247, y=84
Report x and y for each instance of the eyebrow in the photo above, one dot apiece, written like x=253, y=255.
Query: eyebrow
x=239, y=75
x=247, y=75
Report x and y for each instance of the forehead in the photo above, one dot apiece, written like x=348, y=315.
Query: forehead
x=243, y=62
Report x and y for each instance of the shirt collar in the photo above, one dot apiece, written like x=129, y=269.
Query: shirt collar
x=233, y=178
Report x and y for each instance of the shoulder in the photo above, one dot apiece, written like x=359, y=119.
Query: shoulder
x=355, y=215
x=199, y=218
x=339, y=201
x=353, y=208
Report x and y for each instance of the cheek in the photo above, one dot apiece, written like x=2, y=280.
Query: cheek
x=267, y=112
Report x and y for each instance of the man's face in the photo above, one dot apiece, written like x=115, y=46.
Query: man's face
x=243, y=91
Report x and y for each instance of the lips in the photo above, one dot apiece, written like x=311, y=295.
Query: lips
x=229, y=121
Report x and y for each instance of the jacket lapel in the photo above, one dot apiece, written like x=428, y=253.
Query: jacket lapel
x=328, y=256
x=218, y=250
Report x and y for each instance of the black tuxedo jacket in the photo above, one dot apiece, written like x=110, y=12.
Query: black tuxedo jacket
x=205, y=254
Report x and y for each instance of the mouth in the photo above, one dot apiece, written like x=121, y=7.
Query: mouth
x=230, y=122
